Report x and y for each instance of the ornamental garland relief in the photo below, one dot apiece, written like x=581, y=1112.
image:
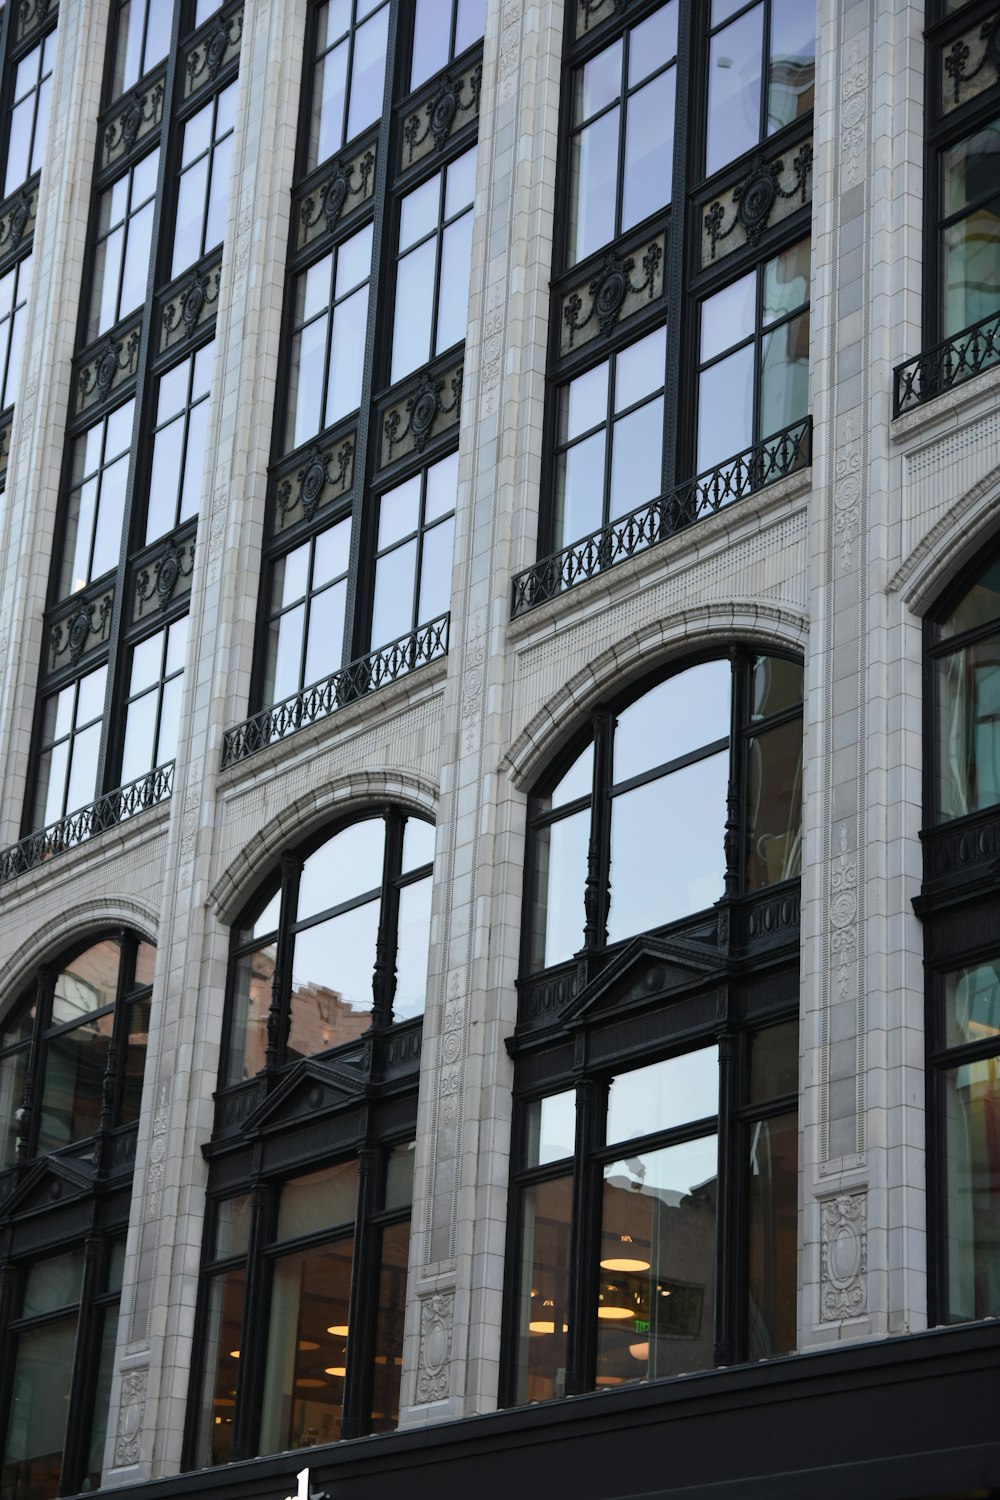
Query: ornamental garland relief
x=436, y=1323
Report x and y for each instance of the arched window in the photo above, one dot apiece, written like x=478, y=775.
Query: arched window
x=304, y=1262
x=72, y=1053
x=962, y=946
x=333, y=945
x=653, y=1224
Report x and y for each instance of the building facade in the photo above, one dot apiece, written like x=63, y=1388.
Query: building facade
x=499, y=748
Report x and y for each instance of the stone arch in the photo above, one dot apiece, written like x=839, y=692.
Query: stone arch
x=643, y=651
x=969, y=526
x=73, y=925
x=357, y=790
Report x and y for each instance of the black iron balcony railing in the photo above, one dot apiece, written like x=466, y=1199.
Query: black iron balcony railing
x=771, y=459
x=77, y=827
x=425, y=644
x=947, y=364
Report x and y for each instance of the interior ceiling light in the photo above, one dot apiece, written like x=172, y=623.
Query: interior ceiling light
x=625, y=1257
x=338, y=1328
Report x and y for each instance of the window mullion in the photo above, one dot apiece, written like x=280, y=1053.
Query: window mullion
x=682, y=332
x=28, y=1131
x=280, y=1008
x=384, y=977
x=364, y=1297
x=253, y=1338
x=82, y=1388
x=597, y=894
x=591, y=1107
x=730, y=1214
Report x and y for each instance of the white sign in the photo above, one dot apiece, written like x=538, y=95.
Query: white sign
x=303, y=1492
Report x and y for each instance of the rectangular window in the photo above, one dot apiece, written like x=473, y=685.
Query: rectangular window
x=93, y=531
x=203, y=187
x=124, y=235
x=69, y=748
x=432, y=274
x=761, y=73
x=306, y=618
x=970, y=229
x=328, y=339
x=442, y=30
x=153, y=706
x=623, y=133
x=178, y=463
x=142, y=40
x=29, y=114
x=348, y=76
x=414, y=548
x=15, y=285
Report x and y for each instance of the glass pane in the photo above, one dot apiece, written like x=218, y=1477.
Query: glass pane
x=135, y=1061
x=72, y=1090
x=560, y=879
x=368, y=73
x=972, y=1005
x=734, y=89
x=687, y=711
x=326, y=633
x=784, y=376
x=453, y=306
x=637, y=458
x=284, y=656
x=599, y=82
x=435, y=571
x=329, y=93
x=470, y=23
x=775, y=685
x=773, y=1236
x=13, y=1072
x=347, y=356
x=652, y=43
x=220, y=1367
x=332, y=971
x=140, y=732
x=728, y=317
x=580, y=490
x=418, y=844
x=36, y=1428
x=774, y=1062
x=88, y=983
x=786, y=282
x=232, y=1225
x=145, y=964
x=392, y=607
x=728, y=387
x=972, y=1108
x=774, y=810
x=389, y=1327
x=441, y=488
x=411, y=953
x=658, y=1317
x=593, y=185
x=639, y=369
x=978, y=606
x=544, y=1285
x=971, y=267
x=793, y=62
x=418, y=212
x=306, y=1364
x=251, y=1000
x=318, y=1201
x=584, y=402
x=663, y=1095
x=399, y=1176
x=108, y=1325
x=684, y=869
x=574, y=783
x=53, y=1283
x=348, y=864
x=649, y=149
x=550, y=1132
x=968, y=728
x=970, y=169
x=411, y=337
x=430, y=41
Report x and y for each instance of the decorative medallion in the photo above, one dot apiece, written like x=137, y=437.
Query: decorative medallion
x=112, y=360
x=956, y=60
x=189, y=305
x=161, y=576
x=130, y=122
x=756, y=199
x=73, y=633
x=122, y=132
x=422, y=408
x=454, y=97
x=18, y=219
x=313, y=478
x=207, y=56
x=609, y=289
x=328, y=201
x=844, y=1257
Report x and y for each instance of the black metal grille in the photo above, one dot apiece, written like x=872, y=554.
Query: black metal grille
x=947, y=364
x=107, y=812
x=771, y=459
x=425, y=644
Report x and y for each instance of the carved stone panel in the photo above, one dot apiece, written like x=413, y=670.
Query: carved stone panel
x=163, y=577
x=32, y=16
x=423, y=411
x=131, y=1413
x=323, y=474
x=106, y=367
x=438, y=116
x=844, y=1257
x=770, y=191
x=6, y=427
x=591, y=12
x=345, y=186
x=437, y=1316
x=136, y=116
x=970, y=65
x=189, y=305
x=83, y=625
x=17, y=219
x=623, y=283
x=214, y=46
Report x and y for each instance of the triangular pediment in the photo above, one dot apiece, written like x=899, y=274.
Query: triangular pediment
x=52, y=1181
x=309, y=1088
x=648, y=969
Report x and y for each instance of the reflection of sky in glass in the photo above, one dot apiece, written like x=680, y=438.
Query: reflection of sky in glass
x=667, y=856
x=663, y=1095
x=347, y=865
x=673, y=1172
x=551, y=1129
x=411, y=954
x=562, y=875
x=337, y=956
x=679, y=715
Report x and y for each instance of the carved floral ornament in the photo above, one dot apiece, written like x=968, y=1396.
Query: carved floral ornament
x=122, y=132
x=983, y=42
x=756, y=199
x=442, y=110
x=160, y=577
x=320, y=467
x=190, y=305
x=72, y=634
x=112, y=359
x=609, y=289
x=844, y=1257
x=18, y=212
x=205, y=60
x=422, y=407
x=586, y=10
x=326, y=203
x=31, y=13
x=436, y=1318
